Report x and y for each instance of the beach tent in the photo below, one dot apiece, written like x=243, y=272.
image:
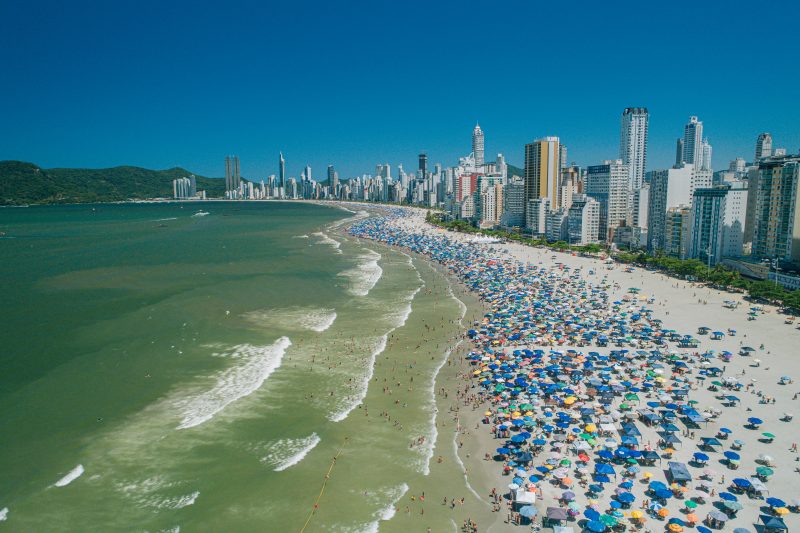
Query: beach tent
x=678, y=472
x=525, y=497
x=772, y=523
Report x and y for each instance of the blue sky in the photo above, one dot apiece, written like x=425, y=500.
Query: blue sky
x=162, y=84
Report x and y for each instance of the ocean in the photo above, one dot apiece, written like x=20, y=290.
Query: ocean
x=198, y=367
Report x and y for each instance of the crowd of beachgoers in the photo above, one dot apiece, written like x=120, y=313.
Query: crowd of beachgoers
x=601, y=418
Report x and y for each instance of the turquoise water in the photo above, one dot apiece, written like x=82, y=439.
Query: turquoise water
x=167, y=368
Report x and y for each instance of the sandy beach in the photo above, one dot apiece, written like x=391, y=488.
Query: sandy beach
x=683, y=307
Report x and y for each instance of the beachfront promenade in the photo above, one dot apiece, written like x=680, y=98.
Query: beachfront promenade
x=598, y=397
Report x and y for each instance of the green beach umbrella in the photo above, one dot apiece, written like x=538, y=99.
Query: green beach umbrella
x=764, y=471
x=608, y=520
x=691, y=504
x=769, y=435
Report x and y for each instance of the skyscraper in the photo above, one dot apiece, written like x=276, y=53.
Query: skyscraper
x=776, y=231
x=543, y=169
x=633, y=144
x=423, y=166
x=281, y=173
x=232, y=176
x=307, y=173
x=477, y=145
x=608, y=184
x=763, y=146
x=693, y=141
x=228, y=174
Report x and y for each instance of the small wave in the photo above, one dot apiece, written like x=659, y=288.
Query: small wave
x=300, y=237
x=288, y=452
x=293, y=318
x=179, y=502
x=3, y=514
x=201, y=214
x=325, y=239
x=165, y=219
x=395, y=494
x=73, y=474
x=258, y=363
x=366, y=275
x=354, y=400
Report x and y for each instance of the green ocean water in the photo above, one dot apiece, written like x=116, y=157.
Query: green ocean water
x=166, y=369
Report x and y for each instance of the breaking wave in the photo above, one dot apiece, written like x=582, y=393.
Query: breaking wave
x=366, y=275
x=73, y=474
x=254, y=365
x=288, y=452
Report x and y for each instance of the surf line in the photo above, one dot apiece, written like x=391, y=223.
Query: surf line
x=324, y=484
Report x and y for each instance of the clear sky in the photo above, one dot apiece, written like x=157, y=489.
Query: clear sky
x=170, y=83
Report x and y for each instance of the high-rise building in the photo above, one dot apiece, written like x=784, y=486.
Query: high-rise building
x=705, y=156
x=609, y=185
x=707, y=223
x=536, y=216
x=477, y=145
x=556, y=225
x=570, y=178
x=281, y=175
x=633, y=144
x=693, y=141
x=676, y=231
x=763, y=146
x=232, y=177
x=307, y=173
x=423, y=166
x=678, y=153
x=776, y=231
x=543, y=169
x=513, y=203
x=583, y=220
x=668, y=188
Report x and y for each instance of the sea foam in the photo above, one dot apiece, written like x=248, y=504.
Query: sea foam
x=288, y=452
x=254, y=365
x=293, y=318
x=387, y=512
x=364, y=276
x=73, y=474
x=325, y=239
x=3, y=514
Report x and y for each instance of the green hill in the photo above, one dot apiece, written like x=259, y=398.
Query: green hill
x=515, y=171
x=25, y=183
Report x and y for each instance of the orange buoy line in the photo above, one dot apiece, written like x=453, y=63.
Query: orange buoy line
x=324, y=484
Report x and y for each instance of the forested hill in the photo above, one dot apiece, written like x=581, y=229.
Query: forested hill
x=25, y=183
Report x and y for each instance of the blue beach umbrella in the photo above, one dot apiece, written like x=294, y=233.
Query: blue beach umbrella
x=596, y=526
x=775, y=502
x=728, y=497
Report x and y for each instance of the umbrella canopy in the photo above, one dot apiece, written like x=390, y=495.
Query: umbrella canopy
x=528, y=511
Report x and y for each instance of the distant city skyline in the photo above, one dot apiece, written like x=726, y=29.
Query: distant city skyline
x=165, y=102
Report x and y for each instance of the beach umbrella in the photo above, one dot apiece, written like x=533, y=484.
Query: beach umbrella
x=700, y=457
x=781, y=511
x=627, y=497
x=691, y=504
x=733, y=456
x=728, y=497
x=755, y=421
x=775, y=502
x=703, y=529
x=528, y=511
x=770, y=436
x=764, y=471
x=741, y=530
x=663, y=512
x=608, y=520
x=692, y=518
x=591, y=514
x=719, y=516
x=742, y=483
x=734, y=506
x=596, y=526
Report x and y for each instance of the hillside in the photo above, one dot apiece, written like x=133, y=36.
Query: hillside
x=515, y=171
x=25, y=183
